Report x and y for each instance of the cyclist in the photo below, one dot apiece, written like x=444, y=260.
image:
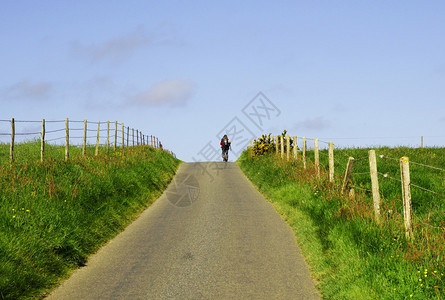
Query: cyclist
x=225, y=146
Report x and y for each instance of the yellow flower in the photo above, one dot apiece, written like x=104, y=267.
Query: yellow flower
x=27, y=210
x=420, y=279
x=13, y=217
x=411, y=295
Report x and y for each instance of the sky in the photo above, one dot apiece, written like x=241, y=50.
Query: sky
x=358, y=73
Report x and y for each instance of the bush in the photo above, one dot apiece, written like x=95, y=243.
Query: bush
x=266, y=144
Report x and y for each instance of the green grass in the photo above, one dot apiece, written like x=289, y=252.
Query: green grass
x=350, y=255
x=54, y=214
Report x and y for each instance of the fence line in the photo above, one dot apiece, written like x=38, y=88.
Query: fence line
x=112, y=136
x=404, y=162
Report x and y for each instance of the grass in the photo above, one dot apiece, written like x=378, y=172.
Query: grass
x=54, y=214
x=350, y=255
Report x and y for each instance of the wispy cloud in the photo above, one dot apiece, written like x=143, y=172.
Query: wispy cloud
x=318, y=123
x=114, y=49
x=28, y=90
x=440, y=70
x=100, y=93
x=174, y=92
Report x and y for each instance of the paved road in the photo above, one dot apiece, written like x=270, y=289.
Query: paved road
x=211, y=235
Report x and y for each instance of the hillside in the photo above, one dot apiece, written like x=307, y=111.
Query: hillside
x=54, y=214
x=351, y=255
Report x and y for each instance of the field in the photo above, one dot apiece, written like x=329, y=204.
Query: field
x=54, y=214
x=351, y=255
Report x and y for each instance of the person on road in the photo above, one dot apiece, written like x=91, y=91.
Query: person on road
x=225, y=146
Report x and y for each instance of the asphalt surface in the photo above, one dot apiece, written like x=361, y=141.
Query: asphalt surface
x=211, y=235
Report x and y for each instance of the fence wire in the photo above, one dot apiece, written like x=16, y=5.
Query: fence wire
x=110, y=136
x=362, y=160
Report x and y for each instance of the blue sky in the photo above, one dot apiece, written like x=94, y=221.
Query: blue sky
x=359, y=73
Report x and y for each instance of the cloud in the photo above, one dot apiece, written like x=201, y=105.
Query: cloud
x=28, y=90
x=339, y=107
x=100, y=93
x=174, y=92
x=99, y=84
x=440, y=70
x=116, y=48
x=312, y=124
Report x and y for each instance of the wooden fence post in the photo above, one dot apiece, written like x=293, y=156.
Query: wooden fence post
x=123, y=136
x=132, y=133
x=406, y=193
x=375, y=184
x=287, y=147
x=11, y=149
x=128, y=135
x=108, y=136
x=282, y=146
x=115, y=135
x=331, y=162
x=137, y=137
x=421, y=141
x=316, y=157
x=84, y=147
x=347, y=174
x=42, y=142
x=97, y=140
x=295, y=148
x=304, y=152
x=276, y=143
x=67, y=144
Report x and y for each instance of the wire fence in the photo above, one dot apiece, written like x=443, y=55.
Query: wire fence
x=423, y=185
x=23, y=140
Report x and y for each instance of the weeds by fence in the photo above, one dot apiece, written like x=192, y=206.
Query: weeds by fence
x=362, y=174
x=60, y=138
x=339, y=230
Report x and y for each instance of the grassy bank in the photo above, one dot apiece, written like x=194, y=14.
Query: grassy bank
x=350, y=254
x=54, y=214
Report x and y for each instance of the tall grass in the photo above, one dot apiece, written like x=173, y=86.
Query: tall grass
x=54, y=214
x=350, y=254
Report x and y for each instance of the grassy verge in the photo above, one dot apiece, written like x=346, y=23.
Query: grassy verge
x=350, y=255
x=54, y=214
